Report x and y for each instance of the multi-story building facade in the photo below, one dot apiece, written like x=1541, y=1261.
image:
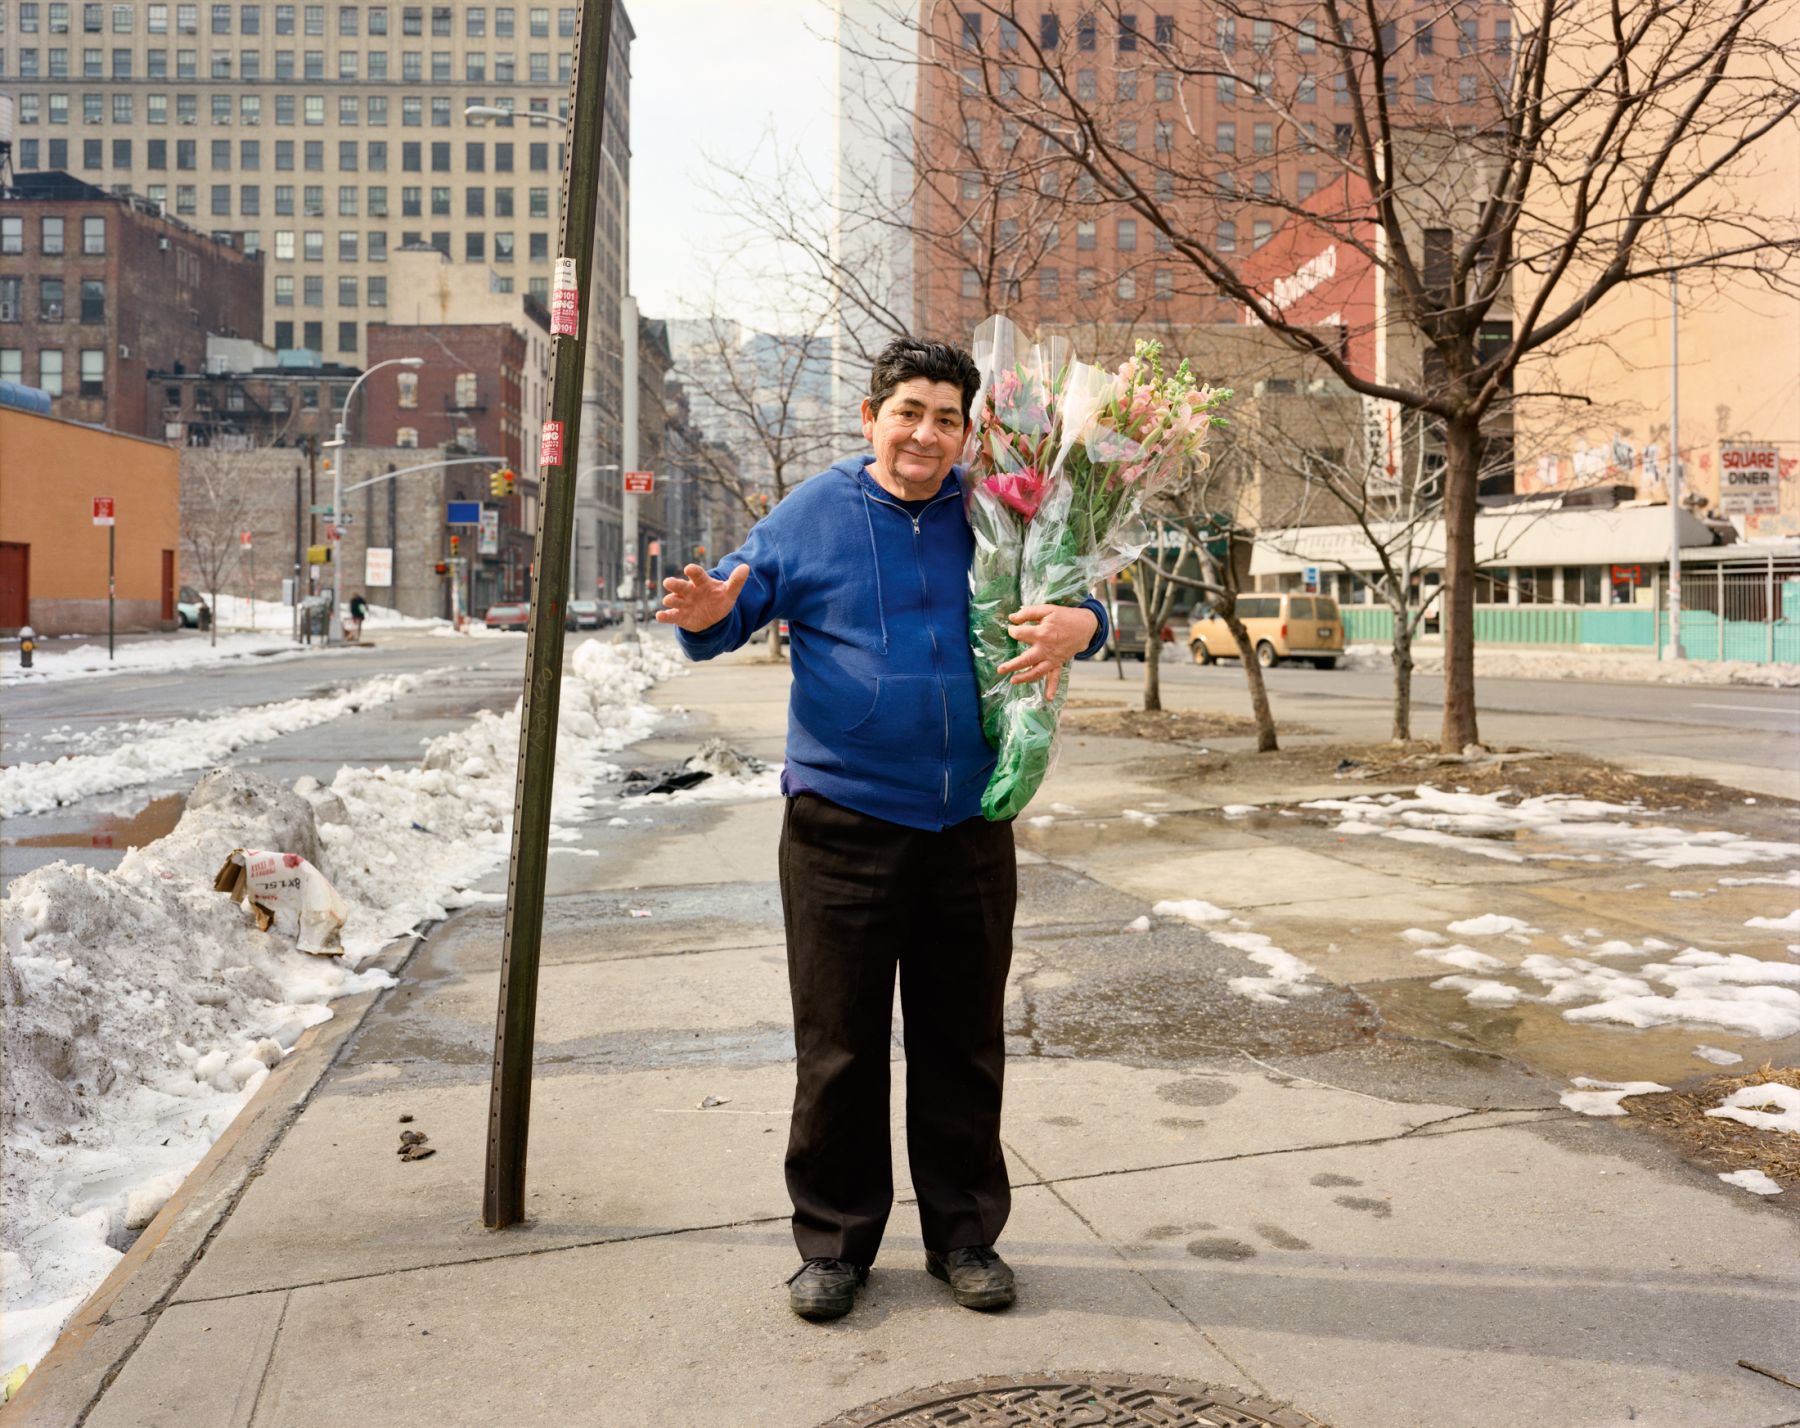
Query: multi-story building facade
x=1223, y=120
x=246, y=398
x=97, y=291
x=322, y=136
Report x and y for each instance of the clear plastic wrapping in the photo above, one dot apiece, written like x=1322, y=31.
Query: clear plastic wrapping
x=1066, y=456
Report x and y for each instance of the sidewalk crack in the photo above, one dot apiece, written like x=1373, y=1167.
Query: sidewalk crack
x=1141, y=1275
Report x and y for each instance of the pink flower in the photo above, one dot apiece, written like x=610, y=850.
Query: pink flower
x=1022, y=490
x=1006, y=389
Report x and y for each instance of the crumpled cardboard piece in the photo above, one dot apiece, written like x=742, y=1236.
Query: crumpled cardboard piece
x=285, y=892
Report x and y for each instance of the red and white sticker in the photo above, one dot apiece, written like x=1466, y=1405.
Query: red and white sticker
x=550, y=445
x=565, y=300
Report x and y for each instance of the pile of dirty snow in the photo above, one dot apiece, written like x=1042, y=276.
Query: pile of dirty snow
x=142, y=1009
x=1584, y=665
x=147, y=751
x=57, y=659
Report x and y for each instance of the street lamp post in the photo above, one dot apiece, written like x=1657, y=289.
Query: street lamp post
x=592, y=576
x=339, y=440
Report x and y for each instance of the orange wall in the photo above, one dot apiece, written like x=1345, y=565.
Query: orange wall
x=50, y=472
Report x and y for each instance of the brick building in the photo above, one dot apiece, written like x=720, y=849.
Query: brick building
x=97, y=290
x=53, y=558
x=466, y=400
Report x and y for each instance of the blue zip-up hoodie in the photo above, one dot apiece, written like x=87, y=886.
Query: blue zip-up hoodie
x=884, y=716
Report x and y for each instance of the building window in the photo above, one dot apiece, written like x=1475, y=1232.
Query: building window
x=50, y=370
x=50, y=300
x=1127, y=287
x=12, y=364
x=93, y=372
x=312, y=291
x=1225, y=237
x=93, y=237
x=377, y=291
x=347, y=244
x=407, y=390
x=1260, y=232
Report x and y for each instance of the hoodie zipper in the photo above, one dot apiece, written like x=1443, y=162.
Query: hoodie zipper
x=937, y=660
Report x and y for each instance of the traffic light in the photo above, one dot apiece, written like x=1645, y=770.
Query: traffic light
x=455, y=545
x=496, y=484
x=319, y=554
x=441, y=568
x=700, y=550
x=509, y=481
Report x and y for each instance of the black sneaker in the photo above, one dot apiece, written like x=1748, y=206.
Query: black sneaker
x=978, y=1278
x=825, y=1288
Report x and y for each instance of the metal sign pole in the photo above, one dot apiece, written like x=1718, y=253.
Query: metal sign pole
x=112, y=583
x=509, y=1109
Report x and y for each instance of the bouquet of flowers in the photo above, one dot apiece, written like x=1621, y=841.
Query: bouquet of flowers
x=1119, y=438
x=1013, y=451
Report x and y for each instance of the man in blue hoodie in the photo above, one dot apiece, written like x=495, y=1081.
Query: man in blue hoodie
x=886, y=860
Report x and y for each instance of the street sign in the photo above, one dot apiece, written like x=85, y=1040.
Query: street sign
x=103, y=510
x=347, y=519
x=640, y=483
x=378, y=567
x=462, y=513
x=324, y=510
x=1310, y=576
x=490, y=533
x=244, y=539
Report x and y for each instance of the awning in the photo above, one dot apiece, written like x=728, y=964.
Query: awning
x=1525, y=535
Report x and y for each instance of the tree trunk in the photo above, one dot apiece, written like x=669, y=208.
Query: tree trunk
x=1253, y=677
x=1147, y=607
x=1463, y=446
x=1152, y=674
x=1403, y=669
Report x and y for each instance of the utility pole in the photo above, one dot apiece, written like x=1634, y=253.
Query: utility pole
x=1674, y=481
x=509, y=1107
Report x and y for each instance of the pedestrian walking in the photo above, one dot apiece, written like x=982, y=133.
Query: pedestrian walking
x=359, y=611
x=886, y=862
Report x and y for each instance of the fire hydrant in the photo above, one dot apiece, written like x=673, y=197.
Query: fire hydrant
x=27, y=643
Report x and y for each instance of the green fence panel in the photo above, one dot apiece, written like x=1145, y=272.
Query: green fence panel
x=1625, y=625
x=1367, y=625
x=1526, y=625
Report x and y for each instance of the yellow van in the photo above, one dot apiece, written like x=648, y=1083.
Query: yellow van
x=1300, y=627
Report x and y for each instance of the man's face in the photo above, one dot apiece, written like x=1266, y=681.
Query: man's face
x=917, y=436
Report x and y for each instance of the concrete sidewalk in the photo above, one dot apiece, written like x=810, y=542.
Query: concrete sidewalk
x=1376, y=1229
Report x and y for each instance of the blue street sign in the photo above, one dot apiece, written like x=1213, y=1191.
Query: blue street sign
x=1311, y=577
x=462, y=513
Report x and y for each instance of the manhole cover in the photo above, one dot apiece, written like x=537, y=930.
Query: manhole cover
x=1072, y=1400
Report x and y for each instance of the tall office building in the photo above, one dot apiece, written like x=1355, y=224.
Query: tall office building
x=324, y=136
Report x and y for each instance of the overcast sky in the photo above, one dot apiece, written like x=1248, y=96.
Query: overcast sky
x=711, y=77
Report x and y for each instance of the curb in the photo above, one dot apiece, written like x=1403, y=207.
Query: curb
x=106, y=1330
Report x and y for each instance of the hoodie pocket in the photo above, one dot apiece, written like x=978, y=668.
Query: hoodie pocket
x=907, y=707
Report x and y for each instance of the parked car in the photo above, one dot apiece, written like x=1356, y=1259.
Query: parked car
x=609, y=612
x=1128, y=627
x=1287, y=626
x=190, y=608
x=584, y=615
x=516, y=616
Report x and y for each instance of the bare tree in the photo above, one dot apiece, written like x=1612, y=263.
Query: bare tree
x=1588, y=149
x=765, y=397
x=216, y=509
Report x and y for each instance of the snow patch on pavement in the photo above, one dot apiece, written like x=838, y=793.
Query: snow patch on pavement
x=142, y=1009
x=1790, y=923
x=1588, y=830
x=1717, y=1055
x=1602, y=1098
x=1190, y=910
x=53, y=662
x=1755, y=1181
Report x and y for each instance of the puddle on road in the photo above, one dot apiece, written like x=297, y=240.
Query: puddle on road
x=113, y=830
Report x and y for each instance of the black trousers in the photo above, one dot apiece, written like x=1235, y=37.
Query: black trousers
x=863, y=897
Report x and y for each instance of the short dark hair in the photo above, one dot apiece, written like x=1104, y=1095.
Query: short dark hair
x=905, y=358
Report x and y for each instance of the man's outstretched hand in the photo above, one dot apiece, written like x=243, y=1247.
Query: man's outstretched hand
x=696, y=602
x=1052, y=635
